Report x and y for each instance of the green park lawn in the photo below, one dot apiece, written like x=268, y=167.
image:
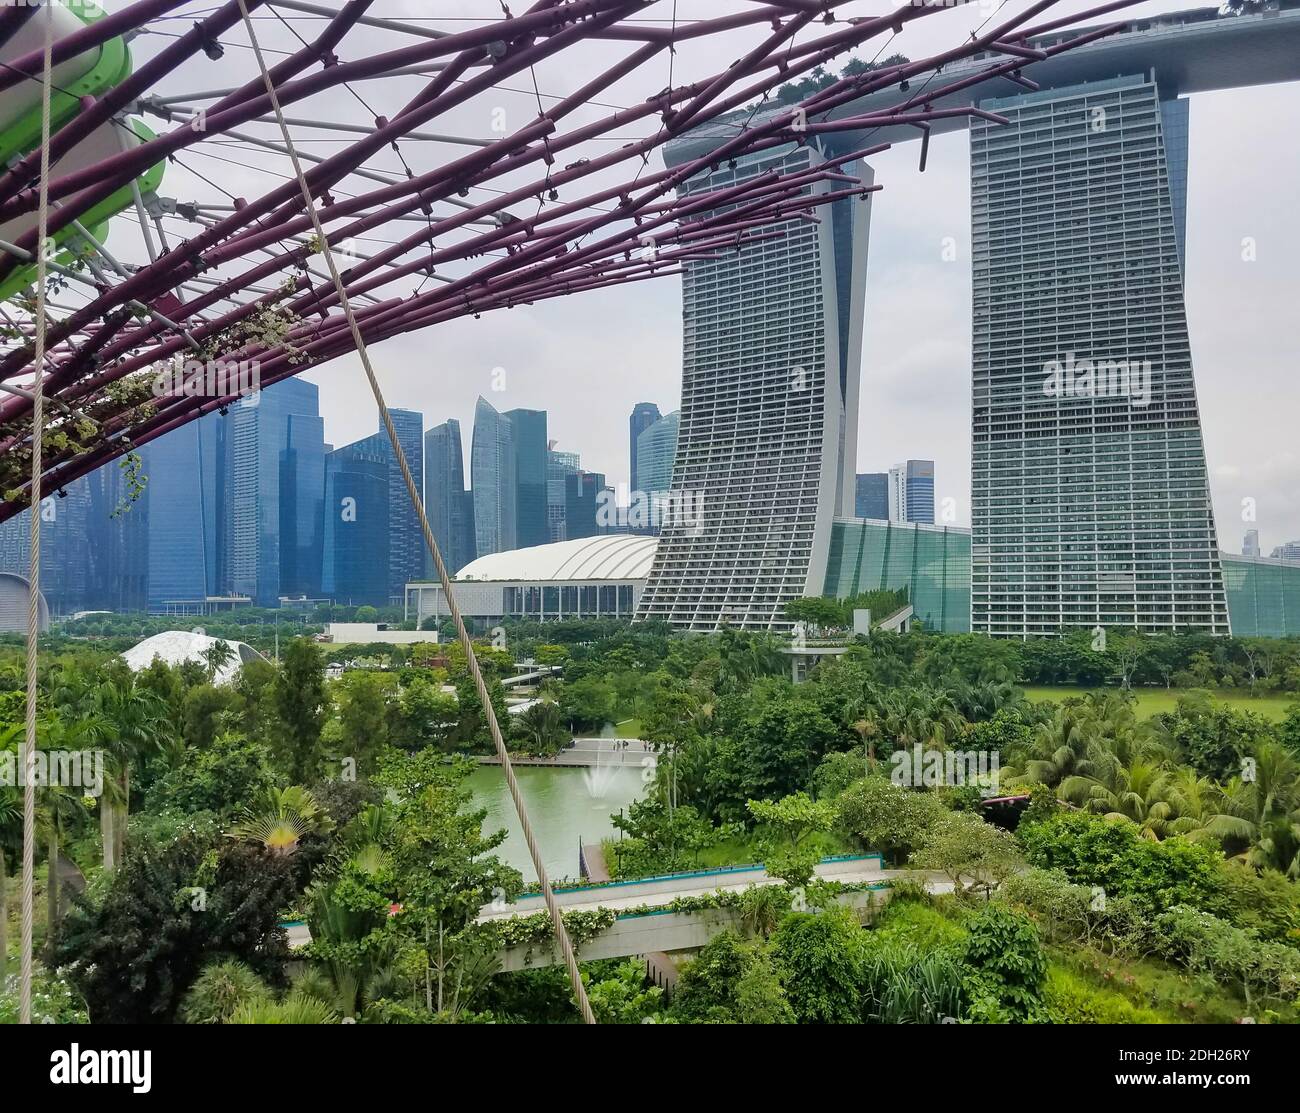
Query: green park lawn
x=1152, y=701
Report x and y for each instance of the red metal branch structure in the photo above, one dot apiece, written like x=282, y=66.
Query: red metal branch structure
x=551, y=211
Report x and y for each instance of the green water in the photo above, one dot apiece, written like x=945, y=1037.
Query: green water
x=563, y=806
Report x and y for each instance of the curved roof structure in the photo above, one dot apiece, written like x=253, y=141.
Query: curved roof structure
x=14, y=602
x=618, y=556
x=178, y=646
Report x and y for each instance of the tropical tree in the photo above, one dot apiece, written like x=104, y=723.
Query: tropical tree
x=280, y=820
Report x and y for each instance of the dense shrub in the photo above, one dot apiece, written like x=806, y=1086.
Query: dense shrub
x=1091, y=850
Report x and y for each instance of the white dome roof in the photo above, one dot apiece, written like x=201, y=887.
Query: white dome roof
x=617, y=556
x=176, y=646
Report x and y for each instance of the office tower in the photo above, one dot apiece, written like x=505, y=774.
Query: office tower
x=406, y=546
x=275, y=451
x=1289, y=551
x=582, y=497
x=406, y=555
x=769, y=416
x=492, y=477
x=448, y=504
x=558, y=465
x=911, y=492
x=94, y=543
x=185, y=523
x=644, y=414
x=1090, y=499
x=528, y=429
x=871, y=499
x=357, y=537
x=65, y=536
x=117, y=550
x=1250, y=545
x=655, y=450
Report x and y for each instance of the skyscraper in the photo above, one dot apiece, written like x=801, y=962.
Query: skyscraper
x=1090, y=498
x=528, y=429
x=655, y=449
x=872, y=497
x=1250, y=544
x=275, y=451
x=772, y=349
x=448, y=504
x=186, y=473
x=1289, y=551
x=644, y=414
x=493, y=481
x=911, y=492
x=582, y=490
x=355, y=564
x=558, y=465
x=406, y=555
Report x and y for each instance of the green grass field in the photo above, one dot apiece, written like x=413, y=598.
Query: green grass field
x=1152, y=701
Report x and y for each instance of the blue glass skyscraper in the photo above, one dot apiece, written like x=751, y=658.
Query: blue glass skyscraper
x=356, y=525
x=529, y=432
x=493, y=480
x=448, y=504
x=644, y=414
x=276, y=449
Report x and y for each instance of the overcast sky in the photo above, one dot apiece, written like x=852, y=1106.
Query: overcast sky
x=588, y=359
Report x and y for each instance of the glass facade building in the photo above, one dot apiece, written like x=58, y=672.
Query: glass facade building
x=186, y=489
x=656, y=448
x=448, y=504
x=644, y=414
x=558, y=465
x=910, y=492
x=529, y=432
x=768, y=428
x=932, y=562
x=871, y=499
x=406, y=555
x=1090, y=498
x=274, y=510
x=356, y=528
x=1263, y=596
x=493, y=480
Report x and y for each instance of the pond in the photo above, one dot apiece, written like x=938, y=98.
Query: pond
x=564, y=804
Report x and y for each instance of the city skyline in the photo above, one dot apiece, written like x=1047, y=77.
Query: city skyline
x=916, y=362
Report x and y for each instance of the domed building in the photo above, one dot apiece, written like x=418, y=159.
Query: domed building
x=588, y=577
x=175, y=647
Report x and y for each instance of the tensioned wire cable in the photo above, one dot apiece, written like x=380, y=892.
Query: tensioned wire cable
x=28, y=748
x=557, y=919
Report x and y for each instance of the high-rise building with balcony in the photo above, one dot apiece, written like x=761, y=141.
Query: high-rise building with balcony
x=767, y=441
x=1090, y=498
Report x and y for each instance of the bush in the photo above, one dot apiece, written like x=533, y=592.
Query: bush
x=821, y=957
x=1112, y=854
x=219, y=990
x=1007, y=964
x=882, y=816
x=1206, y=944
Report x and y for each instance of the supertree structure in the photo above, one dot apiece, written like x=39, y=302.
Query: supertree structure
x=560, y=200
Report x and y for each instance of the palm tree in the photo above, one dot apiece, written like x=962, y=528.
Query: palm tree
x=1060, y=748
x=1143, y=793
x=127, y=721
x=216, y=657
x=280, y=820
